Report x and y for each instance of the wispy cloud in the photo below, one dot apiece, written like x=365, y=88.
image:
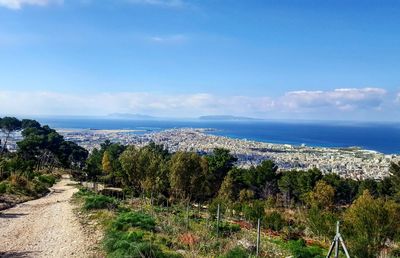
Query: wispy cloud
x=342, y=99
x=18, y=4
x=162, y=3
x=337, y=103
x=168, y=39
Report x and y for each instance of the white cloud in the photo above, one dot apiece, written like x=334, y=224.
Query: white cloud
x=168, y=39
x=342, y=99
x=18, y=4
x=307, y=104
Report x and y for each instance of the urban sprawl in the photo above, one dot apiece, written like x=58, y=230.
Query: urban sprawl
x=352, y=162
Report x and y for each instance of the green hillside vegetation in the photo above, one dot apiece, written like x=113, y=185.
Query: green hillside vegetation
x=40, y=159
x=169, y=201
x=293, y=205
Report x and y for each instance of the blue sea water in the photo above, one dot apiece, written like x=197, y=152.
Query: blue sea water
x=382, y=137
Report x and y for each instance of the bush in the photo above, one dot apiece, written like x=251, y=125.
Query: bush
x=100, y=202
x=254, y=211
x=299, y=249
x=226, y=228
x=38, y=187
x=134, y=219
x=213, y=207
x=18, y=181
x=290, y=233
x=129, y=244
x=84, y=192
x=237, y=252
x=47, y=179
x=3, y=187
x=274, y=221
x=121, y=240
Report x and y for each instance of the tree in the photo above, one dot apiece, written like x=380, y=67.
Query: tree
x=93, y=166
x=266, y=179
x=320, y=218
x=394, y=171
x=188, y=176
x=106, y=163
x=296, y=184
x=226, y=192
x=152, y=163
x=370, y=223
x=131, y=175
x=8, y=125
x=46, y=148
x=368, y=184
x=345, y=189
x=322, y=197
x=219, y=163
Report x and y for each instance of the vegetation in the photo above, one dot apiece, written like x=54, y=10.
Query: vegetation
x=295, y=205
x=32, y=169
x=291, y=205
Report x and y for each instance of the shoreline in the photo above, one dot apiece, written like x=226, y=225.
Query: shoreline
x=350, y=162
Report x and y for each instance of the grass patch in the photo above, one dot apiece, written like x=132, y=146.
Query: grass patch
x=95, y=202
x=129, y=236
x=299, y=249
x=134, y=219
x=226, y=228
x=237, y=252
x=47, y=179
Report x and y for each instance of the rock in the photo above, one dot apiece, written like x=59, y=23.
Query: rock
x=249, y=246
x=180, y=251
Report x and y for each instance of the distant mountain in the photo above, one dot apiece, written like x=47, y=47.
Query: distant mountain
x=131, y=116
x=226, y=118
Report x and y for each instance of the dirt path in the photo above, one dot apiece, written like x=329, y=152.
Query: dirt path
x=46, y=227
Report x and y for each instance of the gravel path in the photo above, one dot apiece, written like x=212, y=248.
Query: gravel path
x=46, y=227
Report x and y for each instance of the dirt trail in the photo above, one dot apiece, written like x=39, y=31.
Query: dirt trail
x=46, y=227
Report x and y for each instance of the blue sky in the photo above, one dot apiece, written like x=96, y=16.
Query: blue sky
x=181, y=58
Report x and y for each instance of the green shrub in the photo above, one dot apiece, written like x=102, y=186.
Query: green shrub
x=18, y=181
x=226, y=228
x=129, y=244
x=299, y=249
x=3, y=187
x=254, y=211
x=237, y=252
x=274, y=221
x=38, y=187
x=100, y=202
x=84, y=192
x=47, y=179
x=122, y=241
x=213, y=207
x=134, y=219
x=290, y=233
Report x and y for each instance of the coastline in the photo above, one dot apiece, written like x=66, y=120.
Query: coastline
x=350, y=162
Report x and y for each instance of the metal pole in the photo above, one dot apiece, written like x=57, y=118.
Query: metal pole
x=331, y=248
x=218, y=216
x=337, y=240
x=187, y=216
x=344, y=247
x=258, y=237
x=335, y=244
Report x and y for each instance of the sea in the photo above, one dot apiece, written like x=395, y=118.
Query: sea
x=380, y=137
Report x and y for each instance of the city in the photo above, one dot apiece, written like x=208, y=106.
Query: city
x=352, y=163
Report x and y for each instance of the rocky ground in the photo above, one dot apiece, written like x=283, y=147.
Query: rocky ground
x=46, y=227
